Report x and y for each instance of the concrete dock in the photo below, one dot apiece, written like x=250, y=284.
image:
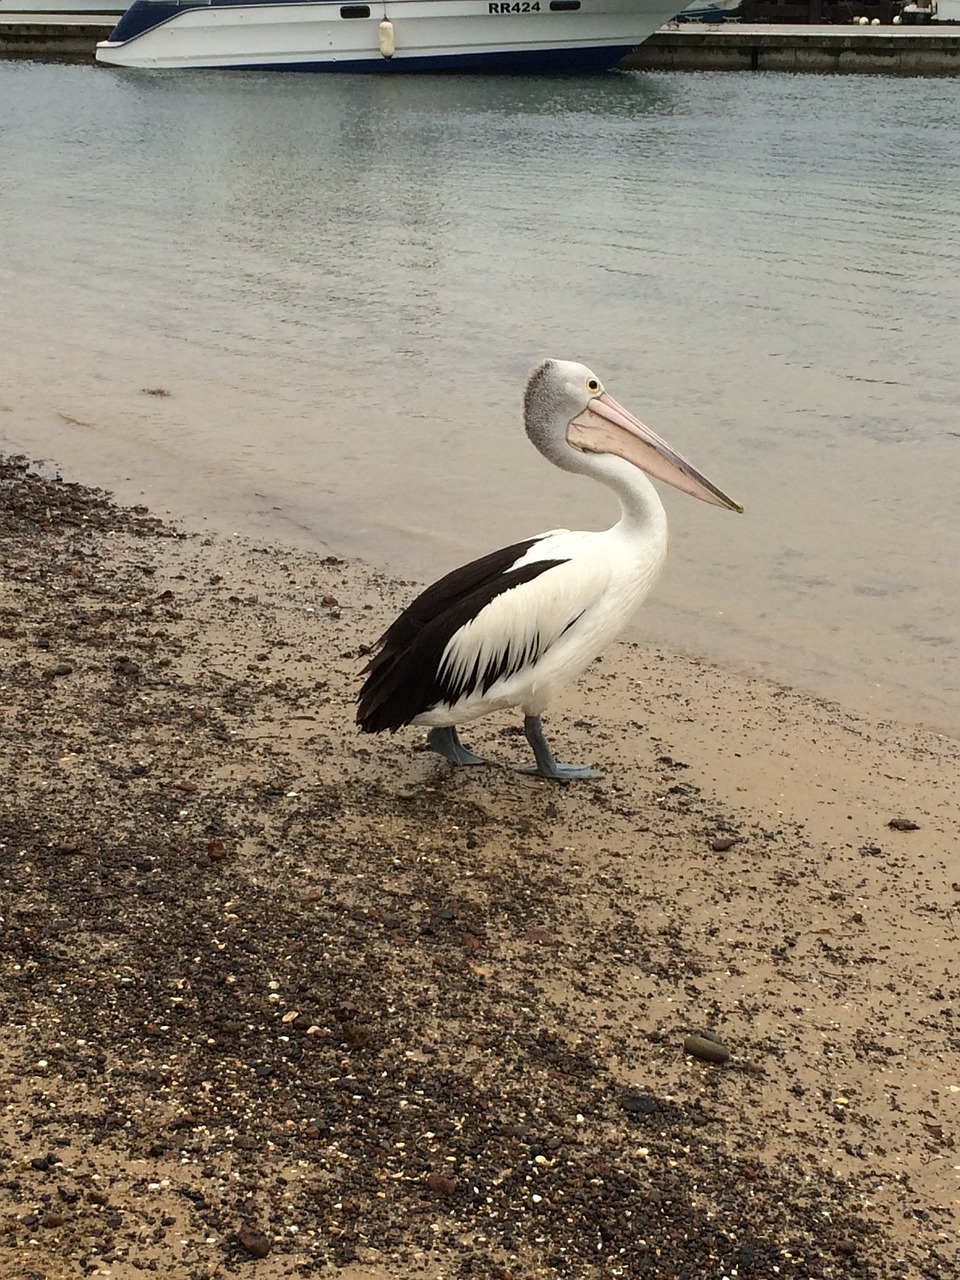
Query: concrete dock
x=689, y=46
x=68, y=37
x=732, y=46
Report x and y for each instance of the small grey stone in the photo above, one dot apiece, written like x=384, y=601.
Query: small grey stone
x=706, y=1048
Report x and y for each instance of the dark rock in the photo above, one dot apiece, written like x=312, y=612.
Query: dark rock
x=441, y=1184
x=639, y=1104
x=254, y=1242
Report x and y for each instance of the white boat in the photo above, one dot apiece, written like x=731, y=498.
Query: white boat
x=531, y=36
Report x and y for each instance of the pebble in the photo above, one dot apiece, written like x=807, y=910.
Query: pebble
x=903, y=824
x=441, y=1185
x=706, y=1047
x=639, y=1104
x=720, y=844
x=255, y=1242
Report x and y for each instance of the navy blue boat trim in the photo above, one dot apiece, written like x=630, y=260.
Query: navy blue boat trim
x=503, y=62
x=143, y=16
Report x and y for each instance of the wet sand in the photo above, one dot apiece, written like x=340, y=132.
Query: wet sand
x=284, y=1000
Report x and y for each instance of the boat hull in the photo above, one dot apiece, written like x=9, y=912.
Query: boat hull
x=387, y=37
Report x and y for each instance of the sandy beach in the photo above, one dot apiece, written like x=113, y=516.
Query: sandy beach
x=283, y=1000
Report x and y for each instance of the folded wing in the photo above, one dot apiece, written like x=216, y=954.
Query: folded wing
x=478, y=626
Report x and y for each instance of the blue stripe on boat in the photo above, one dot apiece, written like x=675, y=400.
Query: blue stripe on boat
x=503, y=62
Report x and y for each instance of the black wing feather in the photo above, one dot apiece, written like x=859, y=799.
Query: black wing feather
x=403, y=677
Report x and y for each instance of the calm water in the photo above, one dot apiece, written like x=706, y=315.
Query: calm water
x=342, y=283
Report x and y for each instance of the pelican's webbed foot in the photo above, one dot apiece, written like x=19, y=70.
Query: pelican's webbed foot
x=447, y=744
x=546, y=766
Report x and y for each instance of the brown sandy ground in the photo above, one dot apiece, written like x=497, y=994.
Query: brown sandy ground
x=280, y=1000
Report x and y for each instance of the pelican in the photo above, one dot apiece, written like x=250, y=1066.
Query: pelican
x=512, y=628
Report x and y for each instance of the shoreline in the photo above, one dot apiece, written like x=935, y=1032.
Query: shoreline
x=277, y=991
x=227, y=504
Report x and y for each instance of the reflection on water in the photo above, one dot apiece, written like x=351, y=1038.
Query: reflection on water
x=342, y=281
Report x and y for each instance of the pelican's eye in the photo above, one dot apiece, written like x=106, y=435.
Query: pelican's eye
x=593, y=386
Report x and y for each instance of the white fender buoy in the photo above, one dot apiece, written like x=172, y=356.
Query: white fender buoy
x=388, y=45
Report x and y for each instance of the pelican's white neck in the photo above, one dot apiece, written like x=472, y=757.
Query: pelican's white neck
x=640, y=506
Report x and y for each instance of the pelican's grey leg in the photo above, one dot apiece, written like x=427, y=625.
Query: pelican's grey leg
x=546, y=765
x=446, y=743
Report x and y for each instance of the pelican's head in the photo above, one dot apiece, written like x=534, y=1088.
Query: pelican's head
x=568, y=413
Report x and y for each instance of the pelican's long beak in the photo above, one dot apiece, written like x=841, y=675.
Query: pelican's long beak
x=606, y=427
